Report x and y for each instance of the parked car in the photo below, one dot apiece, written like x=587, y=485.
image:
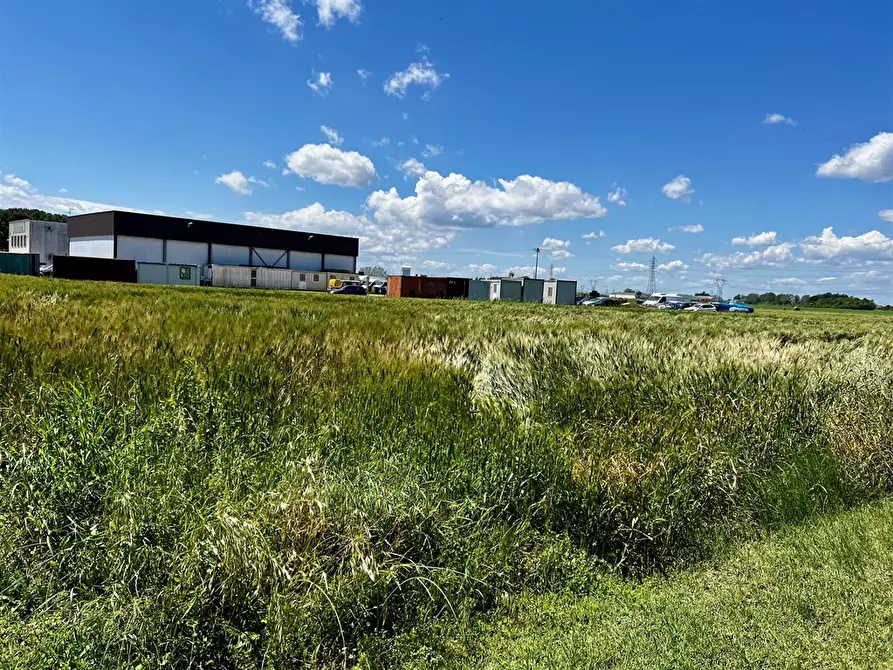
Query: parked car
x=702, y=307
x=602, y=301
x=671, y=305
x=740, y=307
x=349, y=289
x=46, y=270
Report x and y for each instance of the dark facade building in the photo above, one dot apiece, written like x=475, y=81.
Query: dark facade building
x=148, y=238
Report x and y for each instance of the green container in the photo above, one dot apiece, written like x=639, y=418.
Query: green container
x=19, y=264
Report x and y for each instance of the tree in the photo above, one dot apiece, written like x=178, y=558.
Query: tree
x=373, y=271
x=703, y=293
x=16, y=214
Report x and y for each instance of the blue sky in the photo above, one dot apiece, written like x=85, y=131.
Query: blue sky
x=463, y=134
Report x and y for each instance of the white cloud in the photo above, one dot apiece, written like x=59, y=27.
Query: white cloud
x=692, y=228
x=886, y=215
x=320, y=83
x=679, y=188
x=625, y=266
x=432, y=150
x=789, y=281
x=561, y=254
x=405, y=116
x=617, y=197
x=822, y=280
x=771, y=119
x=872, y=245
x=411, y=168
x=530, y=270
x=199, y=215
x=383, y=142
x=595, y=235
x=871, y=161
x=278, y=14
x=757, y=239
x=437, y=265
x=375, y=240
x=364, y=74
x=17, y=192
x=417, y=74
x=328, y=165
x=330, y=10
x=235, y=181
x=270, y=164
x=332, y=135
x=456, y=201
x=482, y=269
x=259, y=182
x=552, y=244
x=63, y=190
x=772, y=256
x=672, y=266
x=642, y=245
x=415, y=140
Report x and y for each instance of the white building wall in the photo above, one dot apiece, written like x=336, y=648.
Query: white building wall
x=187, y=253
x=141, y=249
x=304, y=260
x=269, y=258
x=336, y=262
x=95, y=246
x=227, y=254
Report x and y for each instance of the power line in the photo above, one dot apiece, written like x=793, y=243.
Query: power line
x=652, y=277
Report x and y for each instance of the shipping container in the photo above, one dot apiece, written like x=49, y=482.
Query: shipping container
x=532, y=290
x=510, y=290
x=400, y=286
x=19, y=264
x=166, y=274
x=95, y=269
x=478, y=289
x=560, y=292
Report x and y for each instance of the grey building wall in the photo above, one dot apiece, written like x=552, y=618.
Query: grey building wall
x=44, y=238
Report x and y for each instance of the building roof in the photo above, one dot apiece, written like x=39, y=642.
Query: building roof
x=214, y=232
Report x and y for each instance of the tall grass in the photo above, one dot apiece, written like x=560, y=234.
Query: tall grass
x=200, y=478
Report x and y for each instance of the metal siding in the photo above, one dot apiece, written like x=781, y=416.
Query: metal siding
x=552, y=285
x=175, y=278
x=533, y=290
x=96, y=246
x=478, y=290
x=151, y=273
x=510, y=289
x=339, y=262
x=227, y=254
x=273, y=278
x=231, y=276
x=101, y=224
x=304, y=260
x=140, y=249
x=186, y=253
x=19, y=264
x=566, y=292
x=269, y=258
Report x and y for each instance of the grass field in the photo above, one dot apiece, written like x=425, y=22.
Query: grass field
x=208, y=478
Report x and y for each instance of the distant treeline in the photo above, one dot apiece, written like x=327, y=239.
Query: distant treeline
x=15, y=214
x=825, y=300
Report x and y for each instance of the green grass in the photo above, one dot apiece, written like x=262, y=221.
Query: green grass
x=247, y=479
x=817, y=596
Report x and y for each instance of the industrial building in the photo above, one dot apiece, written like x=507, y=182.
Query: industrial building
x=222, y=254
x=47, y=239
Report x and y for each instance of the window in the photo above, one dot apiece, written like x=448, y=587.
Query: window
x=186, y=273
x=550, y=291
x=316, y=278
x=302, y=277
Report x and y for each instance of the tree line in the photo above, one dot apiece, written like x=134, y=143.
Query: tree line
x=16, y=214
x=824, y=300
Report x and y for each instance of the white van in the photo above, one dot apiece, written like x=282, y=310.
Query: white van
x=662, y=298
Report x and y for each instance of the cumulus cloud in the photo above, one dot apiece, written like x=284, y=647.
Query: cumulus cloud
x=456, y=201
x=552, y=244
x=483, y=268
x=18, y=192
x=771, y=119
x=757, y=239
x=871, y=161
x=872, y=245
x=411, y=168
x=329, y=165
x=437, y=265
x=693, y=228
x=383, y=142
x=679, y=188
x=374, y=239
x=417, y=74
x=270, y=164
x=235, y=181
x=595, y=235
x=789, y=281
x=625, y=266
x=530, y=270
x=672, y=266
x=617, y=197
x=886, y=215
x=320, y=83
x=642, y=245
x=63, y=190
x=331, y=10
x=432, y=150
x=772, y=256
x=279, y=14
x=332, y=135
x=561, y=254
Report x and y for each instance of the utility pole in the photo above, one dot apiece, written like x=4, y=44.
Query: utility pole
x=652, y=277
x=552, y=271
x=720, y=284
x=537, y=268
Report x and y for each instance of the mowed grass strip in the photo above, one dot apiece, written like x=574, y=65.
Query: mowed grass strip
x=198, y=477
x=815, y=596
